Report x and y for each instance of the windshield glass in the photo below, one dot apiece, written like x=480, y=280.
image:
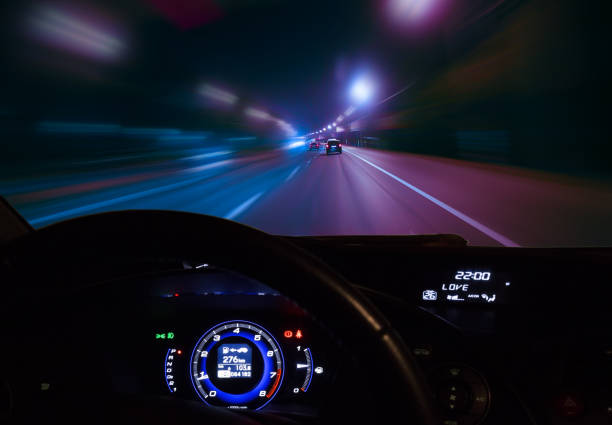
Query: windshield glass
x=482, y=118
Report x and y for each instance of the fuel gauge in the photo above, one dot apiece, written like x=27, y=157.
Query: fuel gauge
x=305, y=366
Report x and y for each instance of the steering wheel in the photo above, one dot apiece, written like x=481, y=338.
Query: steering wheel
x=52, y=252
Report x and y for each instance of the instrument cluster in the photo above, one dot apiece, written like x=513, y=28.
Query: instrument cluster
x=225, y=340
x=242, y=364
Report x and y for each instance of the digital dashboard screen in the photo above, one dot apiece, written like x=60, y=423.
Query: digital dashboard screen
x=467, y=285
x=234, y=361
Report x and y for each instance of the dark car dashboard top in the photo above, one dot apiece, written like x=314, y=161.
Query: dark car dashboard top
x=530, y=325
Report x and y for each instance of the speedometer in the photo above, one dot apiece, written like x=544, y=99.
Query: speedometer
x=237, y=364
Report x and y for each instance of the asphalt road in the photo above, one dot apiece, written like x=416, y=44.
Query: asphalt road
x=362, y=191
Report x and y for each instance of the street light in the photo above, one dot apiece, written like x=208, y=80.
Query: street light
x=362, y=90
x=329, y=127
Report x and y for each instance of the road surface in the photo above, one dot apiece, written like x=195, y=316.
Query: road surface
x=362, y=191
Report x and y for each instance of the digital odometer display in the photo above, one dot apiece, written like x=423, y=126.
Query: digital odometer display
x=234, y=361
x=467, y=285
x=237, y=364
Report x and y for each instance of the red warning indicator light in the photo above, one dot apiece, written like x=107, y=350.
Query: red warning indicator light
x=179, y=352
x=293, y=334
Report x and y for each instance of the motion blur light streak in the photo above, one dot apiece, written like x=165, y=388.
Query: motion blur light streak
x=209, y=166
x=286, y=127
x=296, y=144
x=240, y=139
x=63, y=127
x=92, y=129
x=349, y=111
x=257, y=113
x=184, y=137
x=156, y=132
x=71, y=31
x=208, y=155
x=217, y=94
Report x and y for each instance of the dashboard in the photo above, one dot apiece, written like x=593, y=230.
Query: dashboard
x=201, y=334
x=503, y=336
x=237, y=343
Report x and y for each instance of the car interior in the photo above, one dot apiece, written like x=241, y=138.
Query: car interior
x=103, y=319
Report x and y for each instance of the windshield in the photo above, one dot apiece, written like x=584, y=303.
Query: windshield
x=482, y=118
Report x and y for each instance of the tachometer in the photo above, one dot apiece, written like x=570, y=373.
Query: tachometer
x=237, y=364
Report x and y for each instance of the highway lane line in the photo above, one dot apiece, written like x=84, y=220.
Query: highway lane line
x=113, y=201
x=243, y=207
x=293, y=173
x=479, y=226
x=50, y=192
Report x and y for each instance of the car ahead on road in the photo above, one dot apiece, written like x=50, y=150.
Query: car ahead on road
x=314, y=146
x=333, y=146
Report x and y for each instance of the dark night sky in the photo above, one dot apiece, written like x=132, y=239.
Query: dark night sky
x=296, y=59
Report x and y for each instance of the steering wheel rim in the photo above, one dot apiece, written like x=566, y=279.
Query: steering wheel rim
x=320, y=290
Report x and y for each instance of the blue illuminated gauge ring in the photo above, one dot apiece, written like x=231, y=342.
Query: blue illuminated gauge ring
x=237, y=364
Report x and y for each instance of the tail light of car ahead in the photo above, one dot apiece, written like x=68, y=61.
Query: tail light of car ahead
x=339, y=145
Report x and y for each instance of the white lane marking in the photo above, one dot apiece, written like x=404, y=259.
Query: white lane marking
x=481, y=227
x=242, y=207
x=108, y=202
x=132, y=196
x=293, y=173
